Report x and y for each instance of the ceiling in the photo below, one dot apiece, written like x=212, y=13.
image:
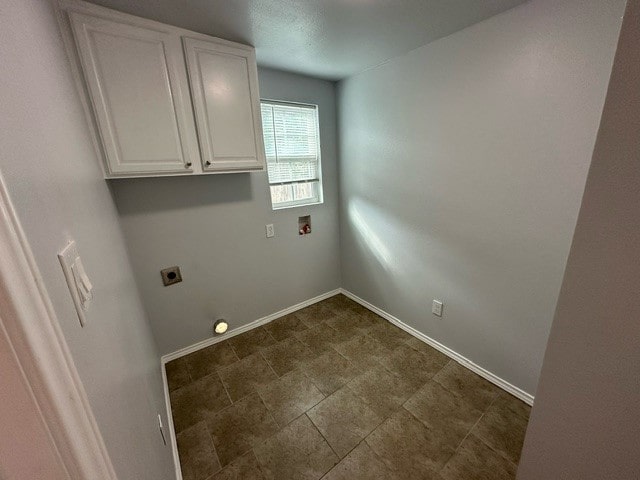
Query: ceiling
x=329, y=39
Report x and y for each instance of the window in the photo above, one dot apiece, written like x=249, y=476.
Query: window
x=292, y=145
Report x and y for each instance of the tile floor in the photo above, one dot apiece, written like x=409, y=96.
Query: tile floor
x=336, y=392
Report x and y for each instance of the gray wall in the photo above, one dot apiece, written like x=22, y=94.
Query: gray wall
x=55, y=182
x=462, y=166
x=586, y=423
x=214, y=228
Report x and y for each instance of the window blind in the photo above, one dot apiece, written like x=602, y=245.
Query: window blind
x=293, y=152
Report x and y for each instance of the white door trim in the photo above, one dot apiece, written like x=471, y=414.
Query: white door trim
x=32, y=328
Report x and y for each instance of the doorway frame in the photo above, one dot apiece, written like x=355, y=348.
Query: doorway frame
x=29, y=323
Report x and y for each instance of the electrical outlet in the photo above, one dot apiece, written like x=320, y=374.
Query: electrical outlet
x=436, y=308
x=171, y=275
x=270, y=230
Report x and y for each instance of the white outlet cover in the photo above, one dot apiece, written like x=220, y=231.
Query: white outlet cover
x=436, y=308
x=270, y=230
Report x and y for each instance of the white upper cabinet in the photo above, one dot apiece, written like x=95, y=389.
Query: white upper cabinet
x=224, y=87
x=165, y=101
x=134, y=79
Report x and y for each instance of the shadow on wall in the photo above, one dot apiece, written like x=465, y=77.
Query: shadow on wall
x=148, y=195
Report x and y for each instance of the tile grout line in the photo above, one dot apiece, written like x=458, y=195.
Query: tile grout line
x=325, y=439
x=345, y=383
x=460, y=443
x=472, y=427
x=232, y=349
x=270, y=414
x=186, y=366
x=304, y=372
x=383, y=419
x=215, y=450
x=255, y=390
x=483, y=441
x=267, y=362
x=265, y=440
x=260, y=466
x=343, y=458
x=252, y=447
x=300, y=414
x=217, y=371
x=430, y=429
x=269, y=333
x=371, y=433
x=457, y=395
x=303, y=412
x=224, y=386
x=231, y=404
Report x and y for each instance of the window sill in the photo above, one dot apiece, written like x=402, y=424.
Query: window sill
x=297, y=205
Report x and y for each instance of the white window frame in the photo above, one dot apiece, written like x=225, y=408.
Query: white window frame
x=304, y=202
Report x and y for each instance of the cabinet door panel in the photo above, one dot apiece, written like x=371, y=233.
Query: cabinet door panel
x=224, y=88
x=134, y=84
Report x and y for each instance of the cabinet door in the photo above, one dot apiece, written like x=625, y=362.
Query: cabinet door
x=133, y=76
x=224, y=88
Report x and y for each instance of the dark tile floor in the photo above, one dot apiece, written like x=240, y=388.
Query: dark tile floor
x=336, y=392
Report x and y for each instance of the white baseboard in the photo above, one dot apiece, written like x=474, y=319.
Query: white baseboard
x=245, y=328
x=503, y=384
x=211, y=341
x=172, y=433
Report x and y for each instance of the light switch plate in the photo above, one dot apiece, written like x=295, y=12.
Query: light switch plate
x=436, y=308
x=69, y=260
